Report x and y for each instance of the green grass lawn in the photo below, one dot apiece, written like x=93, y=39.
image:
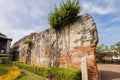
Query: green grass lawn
x=26, y=75
x=2, y=71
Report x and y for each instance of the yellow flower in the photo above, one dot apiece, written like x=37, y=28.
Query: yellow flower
x=13, y=73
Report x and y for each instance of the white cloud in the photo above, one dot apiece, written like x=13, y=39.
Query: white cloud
x=3, y=24
x=112, y=29
x=7, y=6
x=17, y=33
x=21, y=17
x=117, y=19
x=109, y=36
x=99, y=8
x=39, y=9
x=13, y=32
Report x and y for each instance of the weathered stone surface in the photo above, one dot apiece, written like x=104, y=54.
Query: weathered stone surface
x=63, y=48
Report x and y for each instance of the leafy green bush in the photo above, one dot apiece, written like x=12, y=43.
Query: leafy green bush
x=65, y=74
x=52, y=73
x=65, y=14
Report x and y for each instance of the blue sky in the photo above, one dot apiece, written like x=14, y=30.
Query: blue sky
x=21, y=17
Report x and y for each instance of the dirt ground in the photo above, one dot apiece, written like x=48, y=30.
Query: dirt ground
x=109, y=71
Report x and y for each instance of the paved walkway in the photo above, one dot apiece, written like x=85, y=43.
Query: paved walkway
x=109, y=71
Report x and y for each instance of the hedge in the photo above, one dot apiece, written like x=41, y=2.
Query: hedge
x=52, y=73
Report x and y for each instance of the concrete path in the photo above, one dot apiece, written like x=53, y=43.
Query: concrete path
x=109, y=71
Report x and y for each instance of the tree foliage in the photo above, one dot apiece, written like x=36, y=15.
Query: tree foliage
x=102, y=48
x=65, y=14
x=118, y=45
x=103, y=51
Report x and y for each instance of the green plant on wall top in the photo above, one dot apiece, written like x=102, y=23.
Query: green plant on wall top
x=65, y=14
x=28, y=42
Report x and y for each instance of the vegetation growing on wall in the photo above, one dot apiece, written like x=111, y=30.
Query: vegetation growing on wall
x=28, y=42
x=64, y=14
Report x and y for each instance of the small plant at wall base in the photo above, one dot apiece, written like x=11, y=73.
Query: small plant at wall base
x=65, y=14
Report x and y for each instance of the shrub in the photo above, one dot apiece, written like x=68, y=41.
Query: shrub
x=66, y=74
x=52, y=73
x=65, y=14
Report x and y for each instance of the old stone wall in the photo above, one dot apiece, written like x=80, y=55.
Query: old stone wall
x=64, y=47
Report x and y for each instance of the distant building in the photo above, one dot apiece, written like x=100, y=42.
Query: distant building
x=116, y=57
x=5, y=45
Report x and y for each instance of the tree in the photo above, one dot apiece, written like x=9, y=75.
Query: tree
x=112, y=47
x=103, y=51
x=100, y=51
x=65, y=14
x=117, y=47
x=102, y=48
